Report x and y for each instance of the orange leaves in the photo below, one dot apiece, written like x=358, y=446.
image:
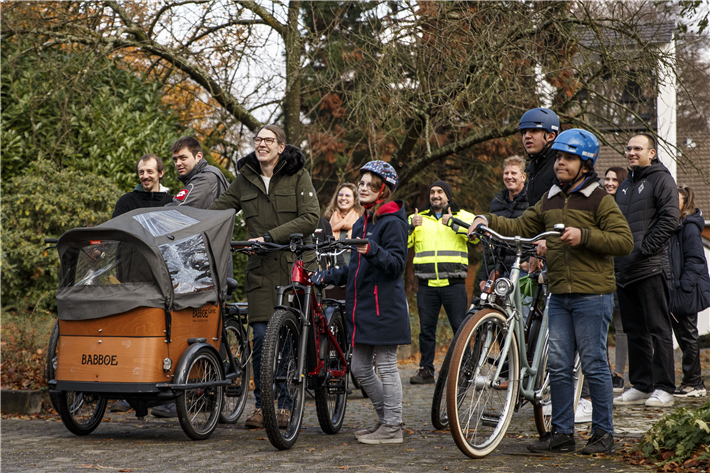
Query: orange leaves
x=334, y=104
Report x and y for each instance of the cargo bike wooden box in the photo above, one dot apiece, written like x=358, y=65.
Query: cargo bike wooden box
x=141, y=317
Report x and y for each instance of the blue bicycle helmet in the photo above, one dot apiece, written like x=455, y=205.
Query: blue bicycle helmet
x=579, y=142
x=384, y=170
x=540, y=118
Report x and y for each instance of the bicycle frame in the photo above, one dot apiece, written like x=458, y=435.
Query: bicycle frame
x=310, y=315
x=512, y=308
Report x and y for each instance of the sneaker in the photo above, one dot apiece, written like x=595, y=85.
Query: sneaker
x=283, y=417
x=584, y=411
x=120, y=406
x=659, y=399
x=600, y=442
x=424, y=376
x=166, y=410
x=553, y=443
x=631, y=397
x=385, y=434
x=687, y=391
x=617, y=382
x=369, y=430
x=255, y=420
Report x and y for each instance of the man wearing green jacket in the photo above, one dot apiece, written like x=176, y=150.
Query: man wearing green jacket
x=277, y=198
x=441, y=265
x=581, y=282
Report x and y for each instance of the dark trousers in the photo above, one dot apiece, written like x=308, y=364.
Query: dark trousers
x=647, y=323
x=429, y=301
x=685, y=327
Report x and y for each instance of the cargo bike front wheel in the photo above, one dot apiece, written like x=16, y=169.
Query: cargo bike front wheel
x=199, y=406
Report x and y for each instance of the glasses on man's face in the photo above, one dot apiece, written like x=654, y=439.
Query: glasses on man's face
x=366, y=185
x=636, y=149
x=267, y=141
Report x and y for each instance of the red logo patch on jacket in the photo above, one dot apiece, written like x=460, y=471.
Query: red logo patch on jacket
x=182, y=195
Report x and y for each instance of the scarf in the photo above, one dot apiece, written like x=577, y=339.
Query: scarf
x=338, y=221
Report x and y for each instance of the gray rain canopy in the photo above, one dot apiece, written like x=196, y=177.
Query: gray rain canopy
x=171, y=258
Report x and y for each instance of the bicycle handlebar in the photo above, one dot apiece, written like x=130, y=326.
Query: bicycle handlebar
x=481, y=229
x=262, y=246
x=51, y=240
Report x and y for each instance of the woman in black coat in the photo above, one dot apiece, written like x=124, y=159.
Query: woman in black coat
x=690, y=290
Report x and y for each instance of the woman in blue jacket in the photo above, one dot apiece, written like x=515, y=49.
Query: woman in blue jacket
x=376, y=305
x=690, y=290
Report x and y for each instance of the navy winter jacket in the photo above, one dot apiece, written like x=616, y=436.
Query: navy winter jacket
x=690, y=283
x=375, y=303
x=648, y=198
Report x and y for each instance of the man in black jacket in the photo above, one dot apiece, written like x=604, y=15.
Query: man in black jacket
x=150, y=192
x=649, y=200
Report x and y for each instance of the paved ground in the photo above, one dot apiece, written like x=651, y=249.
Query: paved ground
x=122, y=443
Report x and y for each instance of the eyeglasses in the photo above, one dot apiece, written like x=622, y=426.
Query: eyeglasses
x=638, y=149
x=267, y=141
x=367, y=185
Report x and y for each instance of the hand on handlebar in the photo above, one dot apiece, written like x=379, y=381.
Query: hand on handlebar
x=571, y=237
x=474, y=225
x=318, y=277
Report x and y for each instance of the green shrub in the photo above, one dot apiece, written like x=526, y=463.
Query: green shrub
x=679, y=436
x=25, y=338
x=44, y=202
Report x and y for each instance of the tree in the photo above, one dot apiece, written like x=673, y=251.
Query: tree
x=44, y=202
x=48, y=114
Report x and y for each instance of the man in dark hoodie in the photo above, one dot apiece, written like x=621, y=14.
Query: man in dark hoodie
x=441, y=265
x=203, y=182
x=149, y=193
x=276, y=196
x=649, y=200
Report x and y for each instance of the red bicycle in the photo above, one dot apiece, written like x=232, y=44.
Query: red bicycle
x=305, y=346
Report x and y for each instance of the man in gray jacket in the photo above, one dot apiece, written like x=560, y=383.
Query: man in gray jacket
x=203, y=183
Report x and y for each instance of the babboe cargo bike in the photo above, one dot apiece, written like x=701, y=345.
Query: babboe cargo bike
x=306, y=347
x=490, y=375
x=142, y=317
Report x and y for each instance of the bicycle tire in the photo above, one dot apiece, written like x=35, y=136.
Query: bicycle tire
x=199, y=408
x=479, y=413
x=233, y=406
x=542, y=410
x=279, y=363
x=332, y=397
x=439, y=416
x=81, y=413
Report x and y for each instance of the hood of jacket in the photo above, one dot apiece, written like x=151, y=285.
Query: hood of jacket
x=636, y=173
x=696, y=218
x=291, y=161
x=394, y=209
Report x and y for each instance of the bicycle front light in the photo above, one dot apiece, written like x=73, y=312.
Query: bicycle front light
x=502, y=286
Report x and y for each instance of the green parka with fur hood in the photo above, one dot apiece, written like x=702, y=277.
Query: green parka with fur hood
x=290, y=206
x=589, y=267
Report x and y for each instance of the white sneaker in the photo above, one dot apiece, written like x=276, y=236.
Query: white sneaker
x=631, y=397
x=683, y=391
x=584, y=411
x=659, y=399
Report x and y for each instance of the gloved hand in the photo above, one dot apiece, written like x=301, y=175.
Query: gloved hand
x=318, y=277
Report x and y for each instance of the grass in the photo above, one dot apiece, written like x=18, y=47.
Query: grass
x=24, y=337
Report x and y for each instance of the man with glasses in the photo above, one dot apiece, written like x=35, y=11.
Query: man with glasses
x=649, y=200
x=441, y=265
x=203, y=182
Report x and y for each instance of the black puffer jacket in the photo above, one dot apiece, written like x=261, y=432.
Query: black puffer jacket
x=541, y=174
x=500, y=205
x=648, y=198
x=689, y=268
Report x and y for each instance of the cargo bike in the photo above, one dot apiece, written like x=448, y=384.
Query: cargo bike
x=142, y=316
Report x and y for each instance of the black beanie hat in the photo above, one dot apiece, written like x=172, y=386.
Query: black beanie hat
x=445, y=186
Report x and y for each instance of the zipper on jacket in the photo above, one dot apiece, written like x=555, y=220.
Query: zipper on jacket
x=564, y=247
x=359, y=260
x=377, y=302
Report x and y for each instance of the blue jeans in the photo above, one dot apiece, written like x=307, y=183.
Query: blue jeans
x=579, y=322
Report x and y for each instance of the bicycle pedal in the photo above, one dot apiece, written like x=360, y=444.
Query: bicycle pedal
x=233, y=391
